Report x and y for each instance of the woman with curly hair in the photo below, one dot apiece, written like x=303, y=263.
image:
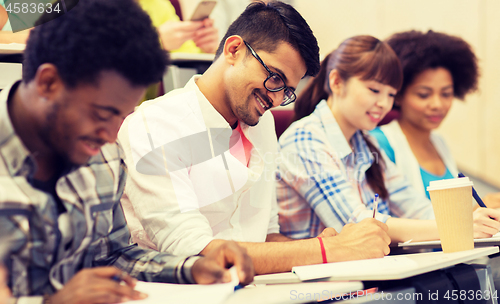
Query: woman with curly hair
x=437, y=68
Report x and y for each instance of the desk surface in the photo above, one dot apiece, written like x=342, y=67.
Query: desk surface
x=391, y=267
x=12, y=48
x=183, y=57
x=491, y=241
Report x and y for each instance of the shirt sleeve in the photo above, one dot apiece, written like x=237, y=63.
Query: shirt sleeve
x=314, y=170
x=143, y=264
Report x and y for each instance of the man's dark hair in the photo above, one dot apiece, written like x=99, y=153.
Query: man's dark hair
x=420, y=51
x=95, y=36
x=264, y=26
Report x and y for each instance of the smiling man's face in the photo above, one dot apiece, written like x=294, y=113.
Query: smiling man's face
x=84, y=118
x=248, y=98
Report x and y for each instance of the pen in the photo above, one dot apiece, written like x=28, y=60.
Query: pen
x=474, y=194
x=375, y=204
x=116, y=278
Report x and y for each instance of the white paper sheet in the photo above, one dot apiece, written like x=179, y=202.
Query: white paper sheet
x=390, y=267
x=163, y=293
x=293, y=293
x=159, y=293
x=371, y=267
x=494, y=240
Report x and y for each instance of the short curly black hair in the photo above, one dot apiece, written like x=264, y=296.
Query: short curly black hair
x=95, y=36
x=420, y=51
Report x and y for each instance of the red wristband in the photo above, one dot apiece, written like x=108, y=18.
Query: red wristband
x=323, y=251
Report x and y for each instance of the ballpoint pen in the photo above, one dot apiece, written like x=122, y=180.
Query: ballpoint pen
x=375, y=204
x=474, y=194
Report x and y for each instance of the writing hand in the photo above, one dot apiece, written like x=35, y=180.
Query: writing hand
x=328, y=232
x=486, y=222
x=213, y=268
x=95, y=285
x=364, y=240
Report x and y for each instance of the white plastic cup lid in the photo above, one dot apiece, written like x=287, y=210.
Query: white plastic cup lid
x=449, y=183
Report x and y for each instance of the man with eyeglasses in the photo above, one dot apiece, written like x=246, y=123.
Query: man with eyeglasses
x=202, y=159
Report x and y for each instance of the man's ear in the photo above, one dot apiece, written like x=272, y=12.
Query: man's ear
x=336, y=83
x=233, y=49
x=48, y=82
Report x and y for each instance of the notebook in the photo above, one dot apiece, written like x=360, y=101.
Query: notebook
x=293, y=293
x=491, y=241
x=390, y=267
x=164, y=293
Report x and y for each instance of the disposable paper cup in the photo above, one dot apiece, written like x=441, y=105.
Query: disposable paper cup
x=452, y=203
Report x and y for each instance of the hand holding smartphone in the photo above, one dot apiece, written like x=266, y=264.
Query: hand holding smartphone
x=203, y=10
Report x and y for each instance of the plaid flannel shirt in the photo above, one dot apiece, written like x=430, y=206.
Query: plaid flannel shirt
x=29, y=231
x=322, y=181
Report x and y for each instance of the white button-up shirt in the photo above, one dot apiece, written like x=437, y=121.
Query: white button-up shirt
x=185, y=188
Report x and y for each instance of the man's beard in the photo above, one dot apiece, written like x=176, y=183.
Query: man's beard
x=46, y=135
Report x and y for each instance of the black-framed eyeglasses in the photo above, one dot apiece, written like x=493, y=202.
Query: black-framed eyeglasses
x=274, y=82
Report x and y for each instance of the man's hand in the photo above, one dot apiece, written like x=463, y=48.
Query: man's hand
x=486, y=222
x=364, y=240
x=213, y=267
x=207, y=37
x=95, y=285
x=4, y=290
x=328, y=232
x=174, y=33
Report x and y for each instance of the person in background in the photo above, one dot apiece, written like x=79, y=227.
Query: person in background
x=202, y=159
x=226, y=11
x=178, y=36
x=4, y=17
x=330, y=169
x=181, y=36
x=437, y=68
x=62, y=173
x=6, y=33
x=4, y=289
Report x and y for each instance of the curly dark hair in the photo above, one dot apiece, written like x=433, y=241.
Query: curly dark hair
x=90, y=36
x=264, y=25
x=420, y=51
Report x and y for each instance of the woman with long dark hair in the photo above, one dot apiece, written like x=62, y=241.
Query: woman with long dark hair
x=331, y=171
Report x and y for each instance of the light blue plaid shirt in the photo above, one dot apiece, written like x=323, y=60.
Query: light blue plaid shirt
x=322, y=181
x=29, y=230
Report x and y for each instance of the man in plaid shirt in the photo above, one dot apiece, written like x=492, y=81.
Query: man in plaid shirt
x=62, y=230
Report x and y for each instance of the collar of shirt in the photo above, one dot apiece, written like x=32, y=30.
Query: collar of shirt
x=213, y=119
x=216, y=122
x=360, y=156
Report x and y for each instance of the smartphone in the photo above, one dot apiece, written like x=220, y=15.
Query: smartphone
x=203, y=10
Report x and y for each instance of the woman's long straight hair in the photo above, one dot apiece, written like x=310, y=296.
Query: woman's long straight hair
x=361, y=56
